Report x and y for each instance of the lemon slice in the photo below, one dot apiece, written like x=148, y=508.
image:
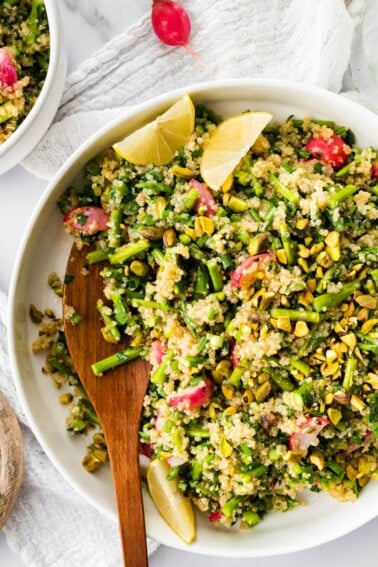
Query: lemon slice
x=157, y=141
x=172, y=505
x=229, y=142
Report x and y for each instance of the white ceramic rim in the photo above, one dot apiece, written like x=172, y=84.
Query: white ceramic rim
x=81, y=155
x=31, y=130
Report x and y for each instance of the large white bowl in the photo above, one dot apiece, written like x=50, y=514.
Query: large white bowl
x=31, y=130
x=45, y=248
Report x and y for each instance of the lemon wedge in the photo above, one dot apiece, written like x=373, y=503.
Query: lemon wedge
x=158, y=141
x=173, y=506
x=229, y=142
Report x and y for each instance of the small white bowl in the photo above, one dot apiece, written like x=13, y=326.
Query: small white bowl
x=31, y=130
x=45, y=249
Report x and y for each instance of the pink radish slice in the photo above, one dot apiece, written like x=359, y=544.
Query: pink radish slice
x=86, y=219
x=193, y=397
x=307, y=433
x=240, y=277
x=354, y=446
x=374, y=170
x=158, y=353
x=8, y=73
x=333, y=151
x=215, y=516
x=205, y=199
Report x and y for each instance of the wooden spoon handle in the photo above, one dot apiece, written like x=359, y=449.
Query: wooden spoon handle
x=11, y=459
x=124, y=460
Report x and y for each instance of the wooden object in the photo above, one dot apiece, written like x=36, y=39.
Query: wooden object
x=11, y=459
x=117, y=397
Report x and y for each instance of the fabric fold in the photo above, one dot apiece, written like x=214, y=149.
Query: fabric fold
x=301, y=41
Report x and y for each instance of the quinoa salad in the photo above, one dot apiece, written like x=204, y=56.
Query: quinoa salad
x=256, y=306
x=24, y=59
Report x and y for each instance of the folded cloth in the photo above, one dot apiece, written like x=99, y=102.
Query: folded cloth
x=288, y=39
x=51, y=525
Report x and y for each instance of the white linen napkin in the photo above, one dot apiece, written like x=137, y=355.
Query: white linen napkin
x=308, y=41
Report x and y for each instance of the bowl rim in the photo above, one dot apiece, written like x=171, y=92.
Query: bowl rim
x=53, y=17
x=80, y=152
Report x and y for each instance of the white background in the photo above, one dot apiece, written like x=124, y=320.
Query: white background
x=88, y=24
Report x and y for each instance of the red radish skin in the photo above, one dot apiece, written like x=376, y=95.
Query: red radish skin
x=354, y=446
x=8, y=73
x=170, y=22
x=86, y=219
x=241, y=276
x=192, y=398
x=333, y=151
x=234, y=358
x=205, y=199
x=307, y=433
x=374, y=170
x=215, y=516
x=146, y=450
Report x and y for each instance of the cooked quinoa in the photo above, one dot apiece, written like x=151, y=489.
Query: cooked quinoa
x=24, y=59
x=257, y=307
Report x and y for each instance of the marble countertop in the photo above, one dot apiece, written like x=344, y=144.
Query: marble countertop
x=88, y=24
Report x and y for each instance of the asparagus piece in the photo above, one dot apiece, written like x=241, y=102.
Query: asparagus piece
x=215, y=274
x=284, y=191
x=295, y=315
x=350, y=367
x=330, y=300
x=7, y=111
x=129, y=251
x=341, y=195
x=33, y=21
x=129, y=353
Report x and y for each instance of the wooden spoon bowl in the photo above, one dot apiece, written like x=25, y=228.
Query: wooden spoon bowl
x=117, y=398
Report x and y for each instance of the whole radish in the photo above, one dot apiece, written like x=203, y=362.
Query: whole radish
x=170, y=22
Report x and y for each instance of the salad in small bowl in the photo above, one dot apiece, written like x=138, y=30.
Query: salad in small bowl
x=32, y=72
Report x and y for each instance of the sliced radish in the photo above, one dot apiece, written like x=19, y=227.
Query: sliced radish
x=374, y=170
x=354, y=446
x=157, y=353
x=307, y=433
x=234, y=357
x=333, y=151
x=215, y=516
x=8, y=73
x=244, y=275
x=193, y=397
x=205, y=199
x=146, y=449
x=86, y=219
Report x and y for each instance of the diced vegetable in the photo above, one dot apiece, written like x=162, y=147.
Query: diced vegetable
x=86, y=219
x=8, y=73
x=333, y=151
x=205, y=202
x=192, y=397
x=307, y=433
x=246, y=272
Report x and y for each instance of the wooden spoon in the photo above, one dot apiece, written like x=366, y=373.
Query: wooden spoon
x=117, y=398
x=11, y=459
